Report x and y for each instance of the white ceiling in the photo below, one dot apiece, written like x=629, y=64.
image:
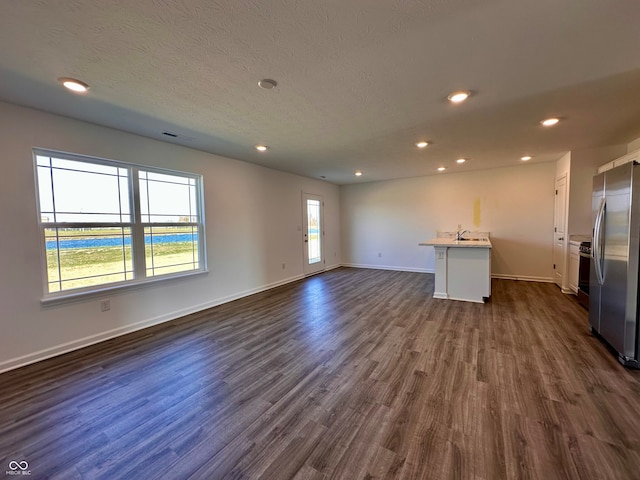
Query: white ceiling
x=359, y=81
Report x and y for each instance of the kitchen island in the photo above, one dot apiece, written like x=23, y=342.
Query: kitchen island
x=463, y=268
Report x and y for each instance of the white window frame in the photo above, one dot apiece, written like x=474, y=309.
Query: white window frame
x=137, y=228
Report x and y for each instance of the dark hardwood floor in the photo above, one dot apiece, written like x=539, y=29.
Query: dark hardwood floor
x=351, y=374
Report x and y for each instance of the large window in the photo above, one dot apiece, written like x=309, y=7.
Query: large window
x=106, y=223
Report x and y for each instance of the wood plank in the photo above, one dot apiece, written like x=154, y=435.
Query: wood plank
x=350, y=374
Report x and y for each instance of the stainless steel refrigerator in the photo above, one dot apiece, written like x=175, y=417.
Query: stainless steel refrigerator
x=613, y=281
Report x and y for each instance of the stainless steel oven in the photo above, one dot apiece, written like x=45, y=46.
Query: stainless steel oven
x=583, y=274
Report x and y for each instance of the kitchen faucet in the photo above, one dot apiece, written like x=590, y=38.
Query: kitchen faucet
x=460, y=233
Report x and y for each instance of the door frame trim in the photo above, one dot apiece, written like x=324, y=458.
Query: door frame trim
x=564, y=283
x=305, y=254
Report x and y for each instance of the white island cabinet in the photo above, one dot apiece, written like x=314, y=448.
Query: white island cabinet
x=463, y=268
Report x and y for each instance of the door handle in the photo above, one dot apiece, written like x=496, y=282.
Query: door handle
x=597, y=240
x=560, y=239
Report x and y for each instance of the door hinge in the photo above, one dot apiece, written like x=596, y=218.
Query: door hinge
x=554, y=266
x=556, y=192
x=555, y=229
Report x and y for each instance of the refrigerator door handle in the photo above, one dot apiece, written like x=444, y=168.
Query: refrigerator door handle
x=597, y=240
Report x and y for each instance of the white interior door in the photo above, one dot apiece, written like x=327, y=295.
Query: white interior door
x=312, y=233
x=559, y=231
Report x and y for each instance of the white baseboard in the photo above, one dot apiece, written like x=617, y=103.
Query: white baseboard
x=40, y=355
x=333, y=267
x=524, y=278
x=386, y=267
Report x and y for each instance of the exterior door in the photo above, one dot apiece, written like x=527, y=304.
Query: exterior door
x=312, y=233
x=559, y=233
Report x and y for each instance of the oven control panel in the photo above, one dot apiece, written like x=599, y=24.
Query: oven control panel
x=585, y=248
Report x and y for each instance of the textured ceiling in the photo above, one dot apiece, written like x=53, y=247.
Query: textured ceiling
x=359, y=81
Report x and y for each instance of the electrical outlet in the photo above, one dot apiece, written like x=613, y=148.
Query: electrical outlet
x=379, y=254
x=283, y=266
x=105, y=305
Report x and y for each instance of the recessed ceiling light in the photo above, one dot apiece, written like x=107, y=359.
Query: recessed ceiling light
x=262, y=148
x=526, y=158
x=461, y=160
x=422, y=144
x=549, y=122
x=358, y=173
x=441, y=169
x=457, y=97
x=73, y=84
x=267, y=84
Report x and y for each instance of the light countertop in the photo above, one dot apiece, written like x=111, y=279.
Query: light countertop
x=577, y=239
x=452, y=242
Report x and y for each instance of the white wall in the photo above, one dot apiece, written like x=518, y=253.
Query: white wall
x=390, y=218
x=584, y=165
x=252, y=216
x=633, y=145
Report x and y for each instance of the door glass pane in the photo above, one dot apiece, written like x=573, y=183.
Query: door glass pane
x=313, y=230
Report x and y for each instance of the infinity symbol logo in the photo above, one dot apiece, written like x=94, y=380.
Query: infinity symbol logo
x=13, y=465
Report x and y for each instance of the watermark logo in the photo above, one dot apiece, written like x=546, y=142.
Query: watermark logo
x=18, y=468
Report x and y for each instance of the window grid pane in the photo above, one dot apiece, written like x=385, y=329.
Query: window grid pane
x=171, y=249
x=86, y=167
x=72, y=191
x=80, y=257
x=167, y=198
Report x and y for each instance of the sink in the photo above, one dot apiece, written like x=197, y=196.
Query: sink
x=471, y=239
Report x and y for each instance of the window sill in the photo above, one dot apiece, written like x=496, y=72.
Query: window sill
x=71, y=296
